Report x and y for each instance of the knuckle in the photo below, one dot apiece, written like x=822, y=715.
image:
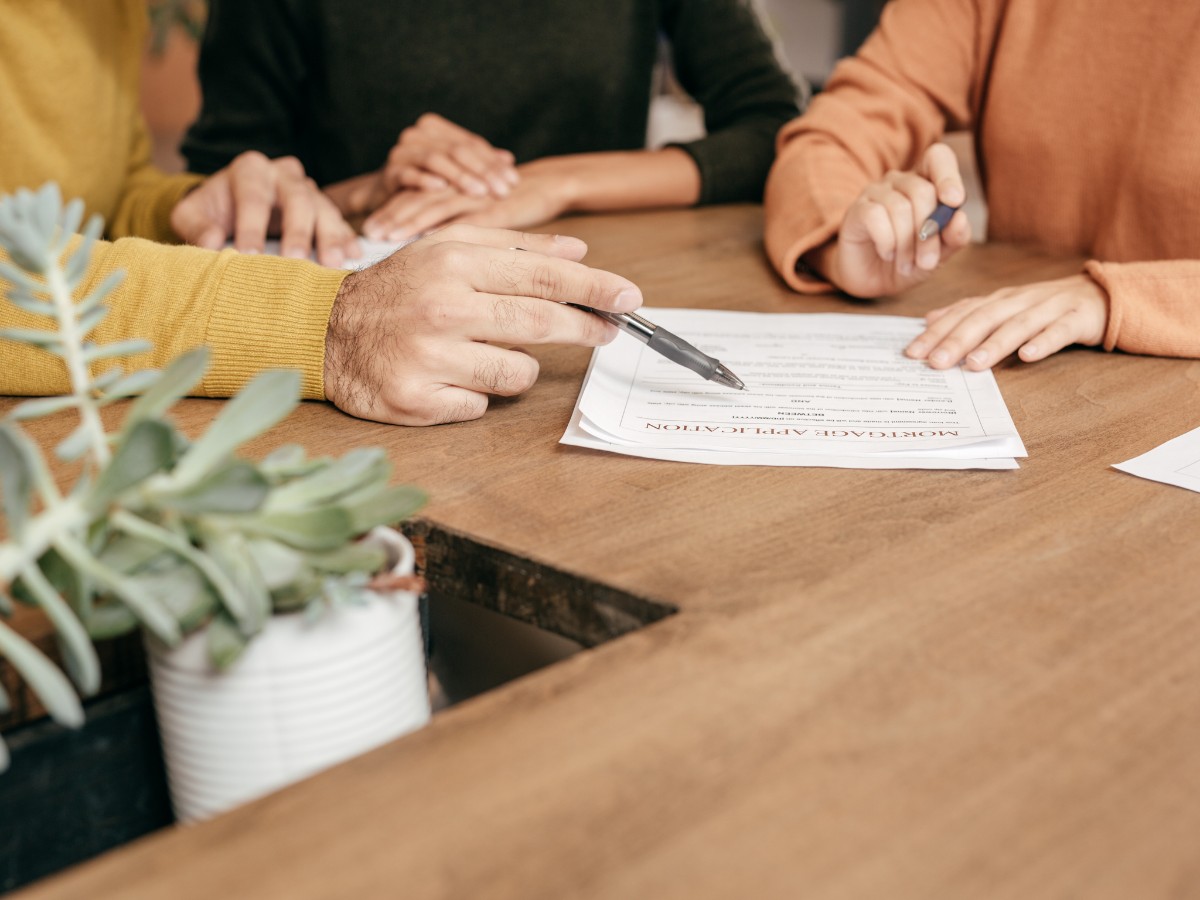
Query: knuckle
x=249, y=159
x=450, y=255
x=546, y=281
x=291, y=166
x=465, y=409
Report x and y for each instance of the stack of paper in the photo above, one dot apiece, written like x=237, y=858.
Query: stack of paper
x=822, y=390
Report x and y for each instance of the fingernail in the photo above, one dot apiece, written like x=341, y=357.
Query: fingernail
x=500, y=187
x=977, y=357
x=1029, y=351
x=373, y=231
x=928, y=262
x=568, y=241
x=334, y=257
x=904, y=268
x=917, y=349
x=294, y=253
x=512, y=176
x=628, y=300
x=249, y=251
x=476, y=187
x=939, y=357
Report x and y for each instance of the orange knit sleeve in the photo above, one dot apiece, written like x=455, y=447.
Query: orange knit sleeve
x=916, y=77
x=1152, y=306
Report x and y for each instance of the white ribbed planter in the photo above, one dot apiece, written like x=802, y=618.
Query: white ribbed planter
x=303, y=696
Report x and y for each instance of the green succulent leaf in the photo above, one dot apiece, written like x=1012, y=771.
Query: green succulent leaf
x=355, y=557
x=231, y=598
x=26, y=301
x=311, y=529
x=147, y=449
x=107, y=378
x=27, y=250
x=78, y=262
x=127, y=555
x=225, y=643
x=46, y=209
x=18, y=278
x=47, y=340
x=78, y=653
x=385, y=507
x=101, y=291
x=229, y=553
x=286, y=460
x=131, y=385
x=261, y=404
x=92, y=318
x=156, y=617
x=44, y=678
x=357, y=469
x=17, y=477
x=109, y=620
x=184, y=591
x=278, y=565
x=75, y=445
x=176, y=381
x=235, y=487
x=43, y=406
x=132, y=347
x=71, y=218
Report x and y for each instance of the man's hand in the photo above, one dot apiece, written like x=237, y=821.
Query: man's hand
x=254, y=197
x=1035, y=320
x=878, y=250
x=420, y=338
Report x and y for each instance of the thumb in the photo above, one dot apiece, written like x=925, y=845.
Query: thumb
x=940, y=166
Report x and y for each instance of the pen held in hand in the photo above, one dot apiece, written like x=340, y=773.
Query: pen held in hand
x=937, y=220
x=669, y=345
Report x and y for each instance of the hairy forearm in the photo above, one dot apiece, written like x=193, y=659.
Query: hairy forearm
x=636, y=179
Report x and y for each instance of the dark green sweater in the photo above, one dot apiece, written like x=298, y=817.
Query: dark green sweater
x=334, y=81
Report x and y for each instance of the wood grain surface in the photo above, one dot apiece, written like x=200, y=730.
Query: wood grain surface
x=900, y=684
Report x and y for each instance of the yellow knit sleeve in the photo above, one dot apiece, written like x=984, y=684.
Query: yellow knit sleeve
x=253, y=312
x=147, y=194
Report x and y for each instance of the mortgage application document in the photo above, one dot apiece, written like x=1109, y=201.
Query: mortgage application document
x=822, y=389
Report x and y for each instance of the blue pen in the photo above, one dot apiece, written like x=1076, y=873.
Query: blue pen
x=938, y=220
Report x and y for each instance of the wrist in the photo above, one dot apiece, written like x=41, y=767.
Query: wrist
x=561, y=178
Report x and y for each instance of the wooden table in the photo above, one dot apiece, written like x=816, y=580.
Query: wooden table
x=901, y=684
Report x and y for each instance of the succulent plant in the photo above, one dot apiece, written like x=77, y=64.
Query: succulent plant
x=159, y=531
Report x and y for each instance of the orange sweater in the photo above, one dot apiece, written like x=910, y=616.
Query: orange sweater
x=1086, y=116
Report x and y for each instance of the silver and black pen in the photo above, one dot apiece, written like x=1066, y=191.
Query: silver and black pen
x=673, y=347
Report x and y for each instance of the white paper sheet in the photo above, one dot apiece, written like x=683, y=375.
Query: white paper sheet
x=1176, y=462
x=824, y=389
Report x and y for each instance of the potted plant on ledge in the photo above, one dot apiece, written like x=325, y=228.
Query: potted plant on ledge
x=202, y=550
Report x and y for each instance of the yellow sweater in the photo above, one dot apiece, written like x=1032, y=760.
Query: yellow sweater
x=1085, y=121
x=69, y=74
